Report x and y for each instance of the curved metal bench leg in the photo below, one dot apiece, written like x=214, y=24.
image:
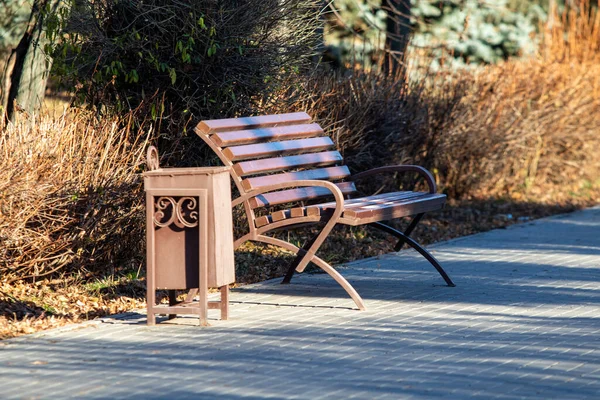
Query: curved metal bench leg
x=343, y=283
x=299, y=256
x=408, y=240
x=408, y=231
x=313, y=245
x=321, y=264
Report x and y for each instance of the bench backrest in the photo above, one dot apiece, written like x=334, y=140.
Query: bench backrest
x=272, y=149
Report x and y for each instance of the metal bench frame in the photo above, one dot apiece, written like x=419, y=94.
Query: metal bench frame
x=331, y=214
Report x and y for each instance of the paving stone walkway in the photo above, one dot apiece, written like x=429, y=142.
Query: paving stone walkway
x=523, y=322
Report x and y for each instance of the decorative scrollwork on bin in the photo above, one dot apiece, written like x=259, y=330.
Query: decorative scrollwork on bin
x=183, y=212
x=192, y=205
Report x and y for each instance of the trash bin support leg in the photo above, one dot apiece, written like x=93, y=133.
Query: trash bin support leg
x=224, y=302
x=203, y=259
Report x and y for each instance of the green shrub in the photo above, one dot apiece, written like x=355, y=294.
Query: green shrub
x=207, y=57
x=473, y=32
x=13, y=20
x=476, y=32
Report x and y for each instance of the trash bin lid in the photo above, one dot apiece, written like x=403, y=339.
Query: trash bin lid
x=186, y=171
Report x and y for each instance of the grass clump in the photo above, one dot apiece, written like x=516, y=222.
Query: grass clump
x=70, y=197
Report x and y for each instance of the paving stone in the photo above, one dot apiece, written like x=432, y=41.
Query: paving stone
x=523, y=322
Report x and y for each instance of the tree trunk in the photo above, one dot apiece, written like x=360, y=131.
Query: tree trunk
x=27, y=68
x=398, y=31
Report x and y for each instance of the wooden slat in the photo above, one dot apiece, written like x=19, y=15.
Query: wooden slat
x=297, y=212
x=265, y=165
x=260, y=150
x=280, y=215
x=233, y=124
x=367, y=209
x=294, y=213
x=300, y=194
x=413, y=208
x=332, y=173
x=313, y=212
x=234, y=138
x=261, y=221
x=370, y=200
x=382, y=210
x=383, y=199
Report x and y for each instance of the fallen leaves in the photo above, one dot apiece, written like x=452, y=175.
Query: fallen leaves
x=28, y=308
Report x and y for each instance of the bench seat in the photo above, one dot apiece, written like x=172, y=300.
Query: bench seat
x=383, y=207
x=368, y=209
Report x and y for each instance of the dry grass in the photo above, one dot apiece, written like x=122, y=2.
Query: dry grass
x=503, y=130
x=69, y=195
x=540, y=116
x=500, y=130
x=521, y=126
x=527, y=124
x=70, y=206
x=573, y=35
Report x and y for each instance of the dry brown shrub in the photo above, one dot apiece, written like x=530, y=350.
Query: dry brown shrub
x=375, y=119
x=503, y=129
x=523, y=124
x=573, y=34
x=70, y=195
x=527, y=124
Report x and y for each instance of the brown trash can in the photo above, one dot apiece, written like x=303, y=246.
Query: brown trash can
x=189, y=233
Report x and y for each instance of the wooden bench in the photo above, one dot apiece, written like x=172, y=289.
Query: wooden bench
x=286, y=159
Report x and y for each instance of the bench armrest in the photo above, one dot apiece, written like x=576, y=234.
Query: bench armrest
x=335, y=191
x=399, y=168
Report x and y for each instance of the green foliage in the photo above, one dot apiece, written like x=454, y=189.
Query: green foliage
x=475, y=31
x=360, y=32
x=472, y=31
x=207, y=57
x=13, y=19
